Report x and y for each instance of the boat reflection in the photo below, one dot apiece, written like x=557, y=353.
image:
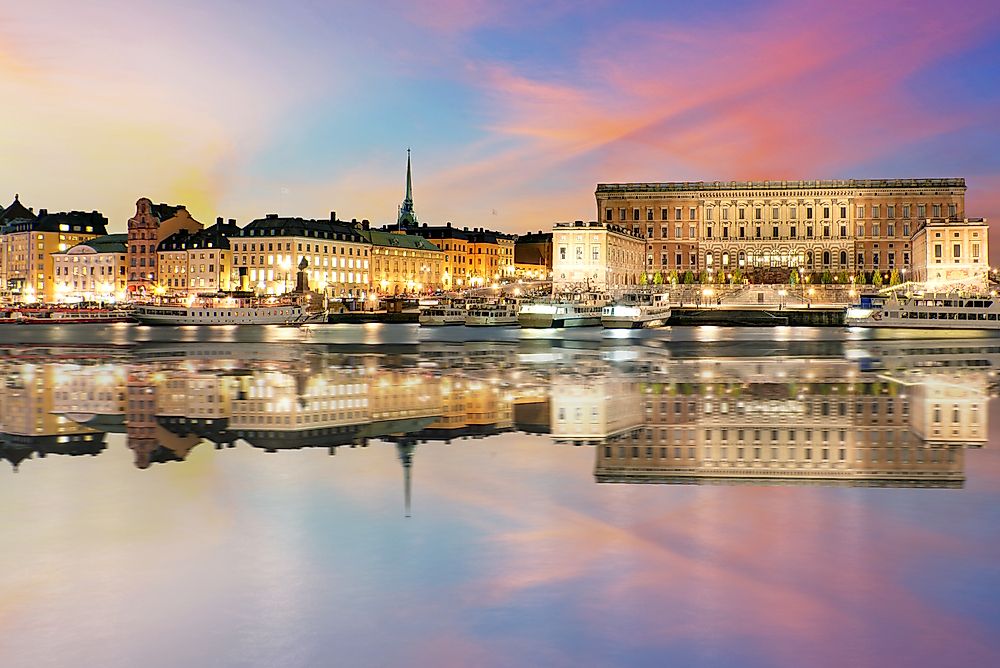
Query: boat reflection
x=883, y=414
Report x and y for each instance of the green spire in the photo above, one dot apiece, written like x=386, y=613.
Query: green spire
x=406, y=217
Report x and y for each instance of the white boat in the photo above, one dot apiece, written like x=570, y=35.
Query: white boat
x=492, y=314
x=926, y=311
x=562, y=312
x=441, y=313
x=637, y=310
x=226, y=311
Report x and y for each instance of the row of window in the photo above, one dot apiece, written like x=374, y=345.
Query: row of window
x=793, y=212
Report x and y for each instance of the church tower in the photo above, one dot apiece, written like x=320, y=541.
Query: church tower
x=406, y=218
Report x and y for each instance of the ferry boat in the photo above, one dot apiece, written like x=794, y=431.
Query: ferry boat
x=441, y=313
x=562, y=312
x=926, y=311
x=227, y=310
x=74, y=316
x=492, y=314
x=637, y=310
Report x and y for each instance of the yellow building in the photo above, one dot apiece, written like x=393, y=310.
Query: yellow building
x=28, y=242
x=403, y=263
x=92, y=271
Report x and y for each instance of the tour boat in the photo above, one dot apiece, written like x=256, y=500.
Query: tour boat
x=569, y=311
x=926, y=311
x=226, y=310
x=637, y=310
x=73, y=316
x=440, y=313
x=492, y=314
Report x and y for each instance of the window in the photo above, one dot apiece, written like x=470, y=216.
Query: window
x=860, y=213
x=691, y=232
x=774, y=232
x=952, y=210
x=956, y=251
x=875, y=259
x=843, y=212
x=793, y=212
x=678, y=232
x=742, y=213
x=792, y=232
x=663, y=231
x=757, y=213
x=708, y=232
x=938, y=251
x=876, y=210
x=677, y=213
x=809, y=212
x=649, y=232
x=579, y=253
x=678, y=259
x=725, y=232
x=595, y=253
x=621, y=215
x=975, y=251
x=826, y=212
x=861, y=259
x=743, y=232
x=562, y=253
x=649, y=213
x=663, y=213
x=921, y=211
x=725, y=213
x=891, y=229
x=936, y=208
x=710, y=214
x=775, y=213
x=890, y=211
x=859, y=230
x=906, y=229
x=635, y=214
x=875, y=229
x=607, y=217
x=906, y=211
x=691, y=213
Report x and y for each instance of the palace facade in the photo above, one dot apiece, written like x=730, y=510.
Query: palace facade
x=837, y=226
x=595, y=256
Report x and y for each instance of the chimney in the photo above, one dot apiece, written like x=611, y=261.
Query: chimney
x=333, y=216
x=218, y=221
x=354, y=221
x=271, y=215
x=232, y=221
x=43, y=212
x=365, y=225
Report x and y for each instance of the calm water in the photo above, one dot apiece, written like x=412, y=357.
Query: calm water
x=382, y=496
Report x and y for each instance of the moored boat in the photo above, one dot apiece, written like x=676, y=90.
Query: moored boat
x=637, y=310
x=570, y=311
x=439, y=313
x=72, y=316
x=492, y=314
x=227, y=310
x=925, y=311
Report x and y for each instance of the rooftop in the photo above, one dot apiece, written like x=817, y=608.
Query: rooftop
x=680, y=186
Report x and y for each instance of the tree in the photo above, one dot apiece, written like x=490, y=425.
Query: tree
x=688, y=278
x=894, y=278
x=826, y=277
x=793, y=277
x=643, y=279
x=658, y=278
x=673, y=277
x=703, y=277
x=877, y=279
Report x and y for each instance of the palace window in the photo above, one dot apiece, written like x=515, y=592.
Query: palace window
x=860, y=213
x=621, y=215
x=952, y=210
x=775, y=213
x=921, y=211
x=906, y=229
x=826, y=212
x=906, y=211
x=742, y=213
x=876, y=211
x=757, y=232
x=956, y=251
x=890, y=211
x=691, y=213
x=635, y=214
x=793, y=212
x=708, y=232
x=757, y=213
x=678, y=259
x=809, y=212
x=663, y=231
x=875, y=259
x=843, y=230
x=774, y=232
x=826, y=231
x=678, y=232
x=843, y=258
x=677, y=213
x=792, y=232
x=809, y=231
x=843, y=212
x=875, y=230
x=710, y=214
x=691, y=232
x=725, y=213
x=663, y=214
x=861, y=259
x=649, y=213
x=936, y=208
x=859, y=230
x=743, y=232
x=607, y=217
x=891, y=231
x=649, y=232
x=725, y=232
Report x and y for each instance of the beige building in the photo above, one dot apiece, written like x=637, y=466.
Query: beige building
x=202, y=262
x=267, y=253
x=403, y=263
x=28, y=244
x=92, y=271
x=765, y=228
x=151, y=224
x=951, y=250
x=596, y=256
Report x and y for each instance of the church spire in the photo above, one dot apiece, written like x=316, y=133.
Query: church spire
x=405, y=452
x=407, y=218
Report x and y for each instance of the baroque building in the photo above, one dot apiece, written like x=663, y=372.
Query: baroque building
x=151, y=224
x=92, y=271
x=595, y=256
x=766, y=228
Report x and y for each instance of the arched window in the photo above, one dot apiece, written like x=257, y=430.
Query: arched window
x=809, y=259
x=742, y=259
x=725, y=259
x=843, y=258
x=826, y=258
x=708, y=259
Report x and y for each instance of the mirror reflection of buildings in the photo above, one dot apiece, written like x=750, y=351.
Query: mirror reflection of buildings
x=654, y=420
x=167, y=408
x=778, y=421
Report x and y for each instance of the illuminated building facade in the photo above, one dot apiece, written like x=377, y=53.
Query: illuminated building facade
x=403, y=263
x=92, y=271
x=766, y=228
x=152, y=224
x=595, y=256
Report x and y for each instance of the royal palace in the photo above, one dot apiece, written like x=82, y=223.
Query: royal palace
x=766, y=228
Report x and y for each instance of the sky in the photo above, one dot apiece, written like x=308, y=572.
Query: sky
x=514, y=110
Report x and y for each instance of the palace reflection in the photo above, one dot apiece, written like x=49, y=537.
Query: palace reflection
x=888, y=415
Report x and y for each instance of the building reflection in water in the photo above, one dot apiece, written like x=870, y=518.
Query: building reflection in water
x=889, y=416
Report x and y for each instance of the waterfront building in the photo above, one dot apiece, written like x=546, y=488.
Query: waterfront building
x=267, y=253
x=596, y=256
x=455, y=244
x=533, y=255
x=92, y=271
x=201, y=262
x=28, y=245
x=151, y=224
x=402, y=263
x=951, y=250
x=766, y=228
